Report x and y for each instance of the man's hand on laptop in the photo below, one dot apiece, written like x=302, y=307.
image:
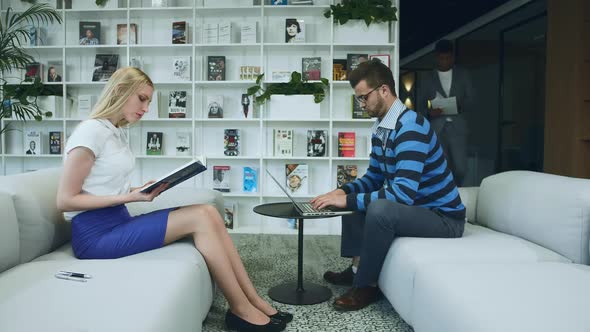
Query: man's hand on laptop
x=335, y=198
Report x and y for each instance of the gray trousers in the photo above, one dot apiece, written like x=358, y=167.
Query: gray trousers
x=453, y=139
x=370, y=235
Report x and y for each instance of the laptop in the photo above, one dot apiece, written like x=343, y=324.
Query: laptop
x=306, y=209
x=177, y=176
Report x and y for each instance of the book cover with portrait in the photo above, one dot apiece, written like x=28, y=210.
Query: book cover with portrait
x=105, y=66
x=155, y=143
x=294, y=30
x=215, y=106
x=216, y=68
x=317, y=142
x=297, y=178
x=177, y=104
x=354, y=60
x=89, y=33
x=357, y=111
x=54, y=71
x=221, y=174
x=32, y=142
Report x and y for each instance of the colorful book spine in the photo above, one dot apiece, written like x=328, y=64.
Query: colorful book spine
x=346, y=144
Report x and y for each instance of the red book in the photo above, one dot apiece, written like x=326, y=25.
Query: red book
x=346, y=144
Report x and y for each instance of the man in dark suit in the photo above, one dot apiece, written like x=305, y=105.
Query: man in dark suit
x=449, y=80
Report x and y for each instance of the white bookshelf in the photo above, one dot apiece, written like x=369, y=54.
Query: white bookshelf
x=156, y=51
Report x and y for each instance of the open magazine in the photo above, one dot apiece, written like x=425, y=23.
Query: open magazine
x=177, y=176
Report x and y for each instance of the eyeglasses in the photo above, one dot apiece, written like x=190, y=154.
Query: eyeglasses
x=363, y=98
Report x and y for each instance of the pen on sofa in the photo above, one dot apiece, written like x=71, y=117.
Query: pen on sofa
x=65, y=277
x=76, y=274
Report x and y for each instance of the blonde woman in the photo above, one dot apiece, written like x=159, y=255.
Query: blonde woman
x=95, y=188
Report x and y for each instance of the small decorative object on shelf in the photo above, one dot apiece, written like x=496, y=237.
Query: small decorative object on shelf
x=105, y=66
x=179, y=32
x=55, y=142
x=215, y=106
x=246, y=105
x=283, y=142
x=89, y=33
x=221, y=178
x=155, y=142
x=216, y=68
x=297, y=178
x=231, y=142
x=294, y=30
x=346, y=144
x=183, y=143
x=177, y=104
x=311, y=68
x=345, y=174
x=316, y=143
x=250, y=180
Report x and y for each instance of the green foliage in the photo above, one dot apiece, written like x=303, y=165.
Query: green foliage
x=295, y=86
x=370, y=11
x=101, y=3
x=20, y=99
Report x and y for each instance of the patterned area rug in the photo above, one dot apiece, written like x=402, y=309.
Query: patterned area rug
x=272, y=259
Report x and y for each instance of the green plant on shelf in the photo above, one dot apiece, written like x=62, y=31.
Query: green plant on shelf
x=19, y=100
x=370, y=11
x=295, y=86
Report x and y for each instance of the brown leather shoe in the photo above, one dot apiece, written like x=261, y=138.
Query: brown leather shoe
x=343, y=278
x=357, y=298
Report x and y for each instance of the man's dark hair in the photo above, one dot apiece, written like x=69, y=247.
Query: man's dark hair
x=375, y=73
x=444, y=46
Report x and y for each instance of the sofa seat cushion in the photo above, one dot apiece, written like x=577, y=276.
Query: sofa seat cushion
x=540, y=297
x=123, y=295
x=478, y=244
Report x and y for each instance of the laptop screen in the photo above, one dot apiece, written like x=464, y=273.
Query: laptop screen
x=282, y=188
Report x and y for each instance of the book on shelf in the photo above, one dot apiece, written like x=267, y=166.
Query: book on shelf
x=339, y=70
x=353, y=60
x=105, y=66
x=159, y=3
x=248, y=32
x=55, y=142
x=294, y=30
x=210, y=33
x=231, y=142
x=249, y=73
x=225, y=32
x=180, y=32
x=216, y=68
x=89, y=33
x=181, y=68
x=177, y=104
x=155, y=143
x=153, y=108
x=247, y=106
x=221, y=180
x=311, y=68
x=85, y=104
x=297, y=178
x=346, y=144
x=215, y=106
x=136, y=61
x=37, y=36
x=279, y=2
x=65, y=4
x=230, y=214
x=281, y=76
x=316, y=142
x=358, y=112
x=302, y=2
x=33, y=70
x=345, y=174
x=183, y=143
x=122, y=34
x=384, y=58
x=33, y=142
x=283, y=142
x=250, y=180
x=54, y=71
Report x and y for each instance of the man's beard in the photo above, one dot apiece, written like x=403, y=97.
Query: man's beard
x=376, y=110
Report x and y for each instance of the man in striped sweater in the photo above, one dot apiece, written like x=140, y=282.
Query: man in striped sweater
x=408, y=189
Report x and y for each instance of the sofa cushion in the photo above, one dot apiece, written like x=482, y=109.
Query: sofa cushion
x=9, y=242
x=469, y=198
x=540, y=297
x=42, y=227
x=549, y=210
x=123, y=295
x=478, y=244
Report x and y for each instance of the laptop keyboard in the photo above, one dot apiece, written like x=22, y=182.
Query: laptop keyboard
x=307, y=207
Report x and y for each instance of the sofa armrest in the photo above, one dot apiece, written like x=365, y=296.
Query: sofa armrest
x=179, y=196
x=469, y=199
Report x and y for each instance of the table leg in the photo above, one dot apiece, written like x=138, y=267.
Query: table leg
x=300, y=292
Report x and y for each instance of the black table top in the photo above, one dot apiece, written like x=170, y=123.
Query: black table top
x=284, y=210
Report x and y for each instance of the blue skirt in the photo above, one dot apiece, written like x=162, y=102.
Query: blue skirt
x=112, y=233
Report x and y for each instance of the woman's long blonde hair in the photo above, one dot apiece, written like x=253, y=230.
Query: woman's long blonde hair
x=124, y=83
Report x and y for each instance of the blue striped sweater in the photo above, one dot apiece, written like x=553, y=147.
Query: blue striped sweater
x=409, y=168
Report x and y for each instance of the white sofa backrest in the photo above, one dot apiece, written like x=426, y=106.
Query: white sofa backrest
x=9, y=241
x=550, y=210
x=41, y=227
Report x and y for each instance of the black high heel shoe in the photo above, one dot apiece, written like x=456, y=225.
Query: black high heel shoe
x=235, y=323
x=283, y=316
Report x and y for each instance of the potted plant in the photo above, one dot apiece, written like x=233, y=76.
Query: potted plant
x=294, y=99
x=19, y=100
x=362, y=21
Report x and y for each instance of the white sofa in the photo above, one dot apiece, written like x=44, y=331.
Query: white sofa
x=522, y=264
x=168, y=289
